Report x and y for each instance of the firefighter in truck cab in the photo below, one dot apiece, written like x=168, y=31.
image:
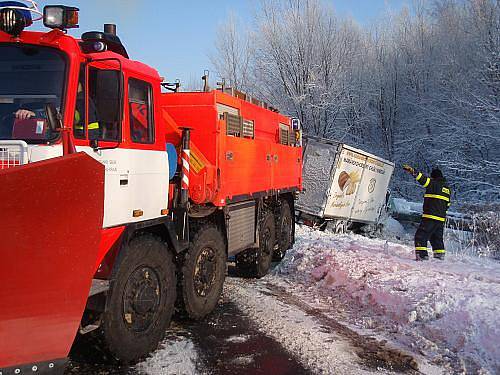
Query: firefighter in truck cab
x=93, y=127
x=436, y=202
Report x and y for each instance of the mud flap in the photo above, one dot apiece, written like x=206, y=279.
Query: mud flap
x=51, y=215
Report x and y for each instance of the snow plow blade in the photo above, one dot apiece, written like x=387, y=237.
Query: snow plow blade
x=51, y=215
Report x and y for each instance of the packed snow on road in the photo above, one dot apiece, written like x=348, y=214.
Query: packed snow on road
x=432, y=317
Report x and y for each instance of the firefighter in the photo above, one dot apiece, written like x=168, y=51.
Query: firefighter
x=93, y=126
x=436, y=202
x=93, y=123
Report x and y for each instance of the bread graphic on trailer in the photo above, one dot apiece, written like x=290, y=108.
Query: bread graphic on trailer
x=348, y=182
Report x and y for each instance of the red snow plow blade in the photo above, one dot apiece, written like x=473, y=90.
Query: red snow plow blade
x=51, y=216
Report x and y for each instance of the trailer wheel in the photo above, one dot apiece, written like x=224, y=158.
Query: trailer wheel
x=259, y=264
x=284, y=232
x=203, y=272
x=140, y=301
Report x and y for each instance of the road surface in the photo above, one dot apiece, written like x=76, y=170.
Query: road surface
x=259, y=328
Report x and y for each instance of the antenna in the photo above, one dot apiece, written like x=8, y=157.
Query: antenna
x=205, y=77
x=222, y=84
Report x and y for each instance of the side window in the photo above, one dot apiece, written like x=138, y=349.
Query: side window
x=104, y=105
x=79, y=120
x=141, y=111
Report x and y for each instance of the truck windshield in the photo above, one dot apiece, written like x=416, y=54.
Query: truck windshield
x=30, y=78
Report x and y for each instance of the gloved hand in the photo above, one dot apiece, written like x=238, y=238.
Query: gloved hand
x=409, y=169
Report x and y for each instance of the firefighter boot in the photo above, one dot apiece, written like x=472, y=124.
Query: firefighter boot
x=439, y=255
x=422, y=255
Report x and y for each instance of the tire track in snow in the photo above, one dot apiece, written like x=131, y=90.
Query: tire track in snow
x=375, y=353
x=319, y=342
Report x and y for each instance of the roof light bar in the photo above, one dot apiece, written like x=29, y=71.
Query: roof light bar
x=15, y=16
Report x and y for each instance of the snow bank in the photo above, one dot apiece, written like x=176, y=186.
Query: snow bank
x=402, y=206
x=391, y=228
x=447, y=310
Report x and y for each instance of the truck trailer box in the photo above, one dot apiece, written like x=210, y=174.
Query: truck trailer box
x=341, y=182
x=252, y=150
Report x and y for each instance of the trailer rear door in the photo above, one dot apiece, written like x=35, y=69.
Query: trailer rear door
x=345, y=184
x=371, y=195
x=359, y=186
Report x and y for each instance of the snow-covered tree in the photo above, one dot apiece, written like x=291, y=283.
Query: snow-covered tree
x=421, y=85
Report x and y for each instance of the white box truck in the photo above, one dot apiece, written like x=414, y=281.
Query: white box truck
x=341, y=184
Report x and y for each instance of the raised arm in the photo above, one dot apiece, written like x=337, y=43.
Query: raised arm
x=422, y=179
x=419, y=176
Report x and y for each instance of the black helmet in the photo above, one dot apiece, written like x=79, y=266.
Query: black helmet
x=436, y=173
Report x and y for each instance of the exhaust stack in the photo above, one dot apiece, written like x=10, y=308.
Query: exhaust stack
x=110, y=28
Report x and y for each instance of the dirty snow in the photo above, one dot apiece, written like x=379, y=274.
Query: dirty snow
x=295, y=330
x=444, y=313
x=176, y=355
x=447, y=311
x=238, y=339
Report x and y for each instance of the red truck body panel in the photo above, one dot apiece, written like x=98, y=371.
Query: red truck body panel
x=233, y=166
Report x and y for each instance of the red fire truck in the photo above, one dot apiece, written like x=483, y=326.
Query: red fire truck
x=121, y=200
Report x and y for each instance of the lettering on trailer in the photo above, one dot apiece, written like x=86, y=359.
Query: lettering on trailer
x=365, y=206
x=374, y=166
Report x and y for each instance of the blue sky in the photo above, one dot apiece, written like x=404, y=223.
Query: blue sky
x=175, y=37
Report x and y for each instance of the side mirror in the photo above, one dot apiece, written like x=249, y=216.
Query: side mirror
x=54, y=118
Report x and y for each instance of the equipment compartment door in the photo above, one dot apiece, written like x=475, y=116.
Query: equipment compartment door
x=286, y=166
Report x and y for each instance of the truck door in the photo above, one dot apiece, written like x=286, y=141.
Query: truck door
x=131, y=167
x=97, y=118
x=148, y=176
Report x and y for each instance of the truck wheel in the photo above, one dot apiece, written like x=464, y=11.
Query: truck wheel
x=203, y=272
x=140, y=301
x=284, y=232
x=258, y=265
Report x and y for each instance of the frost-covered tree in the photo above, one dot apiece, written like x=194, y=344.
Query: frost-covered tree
x=421, y=85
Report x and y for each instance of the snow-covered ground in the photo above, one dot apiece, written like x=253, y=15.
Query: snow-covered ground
x=298, y=332
x=351, y=304
x=176, y=355
x=446, y=311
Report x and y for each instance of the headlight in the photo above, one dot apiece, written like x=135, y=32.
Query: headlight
x=60, y=17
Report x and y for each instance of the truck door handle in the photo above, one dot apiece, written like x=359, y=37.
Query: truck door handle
x=124, y=180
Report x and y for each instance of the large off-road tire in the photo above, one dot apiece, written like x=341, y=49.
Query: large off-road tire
x=203, y=272
x=257, y=262
x=140, y=301
x=284, y=231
